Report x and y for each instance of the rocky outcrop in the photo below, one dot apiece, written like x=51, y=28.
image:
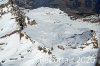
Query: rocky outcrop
x=70, y=6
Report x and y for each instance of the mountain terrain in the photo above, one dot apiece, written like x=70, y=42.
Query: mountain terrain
x=41, y=33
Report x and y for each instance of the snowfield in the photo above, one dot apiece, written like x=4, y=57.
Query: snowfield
x=7, y=24
x=55, y=40
x=3, y=1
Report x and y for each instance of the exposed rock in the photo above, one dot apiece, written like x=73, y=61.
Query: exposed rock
x=71, y=6
x=61, y=47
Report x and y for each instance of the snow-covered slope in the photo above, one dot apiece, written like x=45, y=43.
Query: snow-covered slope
x=3, y=1
x=55, y=40
x=7, y=24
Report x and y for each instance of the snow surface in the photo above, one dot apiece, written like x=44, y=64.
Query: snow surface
x=7, y=24
x=53, y=28
x=3, y=1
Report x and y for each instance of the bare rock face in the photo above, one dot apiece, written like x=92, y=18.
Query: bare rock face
x=70, y=6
